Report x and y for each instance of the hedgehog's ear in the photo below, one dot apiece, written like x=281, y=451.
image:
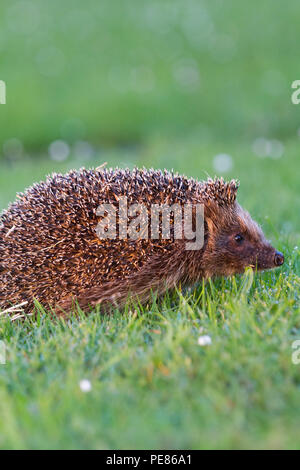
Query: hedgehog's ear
x=232, y=189
x=224, y=193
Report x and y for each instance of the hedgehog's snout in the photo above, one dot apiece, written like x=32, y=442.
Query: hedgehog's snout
x=278, y=258
x=269, y=258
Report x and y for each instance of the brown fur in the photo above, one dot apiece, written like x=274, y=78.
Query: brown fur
x=49, y=250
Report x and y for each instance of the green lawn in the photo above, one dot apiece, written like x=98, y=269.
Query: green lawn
x=153, y=385
x=158, y=84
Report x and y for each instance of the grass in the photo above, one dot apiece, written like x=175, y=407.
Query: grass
x=160, y=85
x=153, y=386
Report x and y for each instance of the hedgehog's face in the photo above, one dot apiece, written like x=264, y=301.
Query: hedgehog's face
x=238, y=242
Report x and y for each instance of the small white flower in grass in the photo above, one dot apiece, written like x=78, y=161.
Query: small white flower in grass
x=204, y=340
x=85, y=385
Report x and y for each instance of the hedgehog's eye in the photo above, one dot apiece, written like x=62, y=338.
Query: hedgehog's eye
x=239, y=238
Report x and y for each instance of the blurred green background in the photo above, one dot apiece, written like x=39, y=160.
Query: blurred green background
x=117, y=73
x=203, y=87
x=164, y=83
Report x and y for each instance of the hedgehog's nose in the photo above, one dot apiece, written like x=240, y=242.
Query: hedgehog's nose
x=278, y=258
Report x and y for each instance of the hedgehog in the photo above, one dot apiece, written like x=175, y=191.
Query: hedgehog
x=52, y=254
